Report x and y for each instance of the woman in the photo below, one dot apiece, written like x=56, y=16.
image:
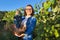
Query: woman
x=29, y=22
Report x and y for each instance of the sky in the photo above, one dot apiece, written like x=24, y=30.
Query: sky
x=8, y=5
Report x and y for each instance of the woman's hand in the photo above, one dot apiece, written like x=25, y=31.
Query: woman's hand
x=15, y=34
x=19, y=35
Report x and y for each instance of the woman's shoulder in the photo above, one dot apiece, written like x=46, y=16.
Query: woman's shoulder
x=33, y=18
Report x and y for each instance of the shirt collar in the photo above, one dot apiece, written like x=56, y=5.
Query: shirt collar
x=27, y=16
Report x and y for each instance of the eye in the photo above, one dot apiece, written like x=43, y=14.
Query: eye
x=28, y=9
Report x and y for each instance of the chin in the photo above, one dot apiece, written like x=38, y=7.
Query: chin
x=29, y=13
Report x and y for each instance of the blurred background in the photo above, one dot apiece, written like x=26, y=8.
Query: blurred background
x=47, y=13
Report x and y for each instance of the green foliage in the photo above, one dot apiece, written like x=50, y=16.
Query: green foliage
x=47, y=26
x=9, y=16
x=47, y=4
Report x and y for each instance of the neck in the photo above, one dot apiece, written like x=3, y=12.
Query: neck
x=28, y=16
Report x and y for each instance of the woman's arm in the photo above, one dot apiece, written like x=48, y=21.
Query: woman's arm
x=31, y=26
x=30, y=29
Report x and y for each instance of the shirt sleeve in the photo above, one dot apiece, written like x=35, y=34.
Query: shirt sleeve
x=31, y=26
x=15, y=20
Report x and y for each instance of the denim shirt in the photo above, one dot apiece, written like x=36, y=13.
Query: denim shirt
x=30, y=25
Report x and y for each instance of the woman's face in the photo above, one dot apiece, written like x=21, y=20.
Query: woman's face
x=28, y=10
